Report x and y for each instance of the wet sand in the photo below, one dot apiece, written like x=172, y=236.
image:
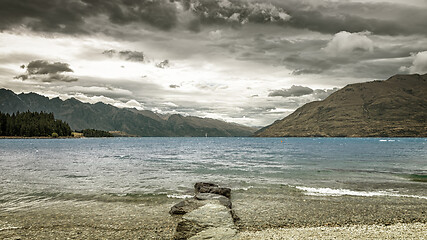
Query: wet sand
x=264, y=213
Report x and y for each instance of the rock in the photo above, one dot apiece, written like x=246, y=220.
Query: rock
x=220, y=233
x=211, y=196
x=234, y=216
x=207, y=216
x=186, y=206
x=212, y=188
x=203, y=218
x=200, y=185
x=217, y=190
x=211, y=215
x=186, y=229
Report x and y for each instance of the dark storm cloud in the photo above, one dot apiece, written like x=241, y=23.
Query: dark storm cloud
x=134, y=56
x=43, y=15
x=294, y=91
x=163, y=64
x=74, y=16
x=48, y=78
x=47, y=72
x=347, y=52
x=321, y=16
x=45, y=67
x=298, y=96
x=128, y=55
x=235, y=12
x=110, y=53
x=161, y=13
x=174, y=86
x=71, y=16
x=377, y=17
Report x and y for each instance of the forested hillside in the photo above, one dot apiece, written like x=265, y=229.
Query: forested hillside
x=32, y=124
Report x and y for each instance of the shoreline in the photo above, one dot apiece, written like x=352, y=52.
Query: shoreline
x=283, y=137
x=264, y=214
x=41, y=137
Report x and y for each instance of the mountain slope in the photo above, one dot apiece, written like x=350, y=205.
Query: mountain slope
x=201, y=127
x=109, y=118
x=396, y=107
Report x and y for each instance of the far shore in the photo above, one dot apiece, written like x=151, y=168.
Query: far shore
x=40, y=137
x=130, y=136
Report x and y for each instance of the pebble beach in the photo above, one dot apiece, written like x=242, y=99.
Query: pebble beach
x=263, y=213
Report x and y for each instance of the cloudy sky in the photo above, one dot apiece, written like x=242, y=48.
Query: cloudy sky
x=245, y=61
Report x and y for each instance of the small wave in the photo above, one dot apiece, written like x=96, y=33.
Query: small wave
x=74, y=176
x=244, y=188
x=179, y=196
x=122, y=156
x=342, y=192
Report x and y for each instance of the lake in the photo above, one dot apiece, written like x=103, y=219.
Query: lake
x=89, y=168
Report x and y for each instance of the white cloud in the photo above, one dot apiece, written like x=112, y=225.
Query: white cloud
x=345, y=43
x=281, y=110
x=215, y=35
x=100, y=90
x=419, y=65
x=131, y=104
x=170, y=104
x=99, y=98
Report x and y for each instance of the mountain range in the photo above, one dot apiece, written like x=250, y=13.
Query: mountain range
x=396, y=107
x=106, y=117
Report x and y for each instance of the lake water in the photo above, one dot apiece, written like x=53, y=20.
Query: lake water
x=88, y=168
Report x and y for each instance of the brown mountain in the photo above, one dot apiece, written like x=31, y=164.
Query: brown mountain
x=396, y=107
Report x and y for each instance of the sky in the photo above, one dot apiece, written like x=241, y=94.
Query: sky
x=246, y=61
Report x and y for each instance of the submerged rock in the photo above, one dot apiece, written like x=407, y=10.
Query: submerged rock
x=211, y=196
x=212, y=188
x=200, y=185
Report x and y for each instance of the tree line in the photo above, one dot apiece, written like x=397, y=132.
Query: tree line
x=96, y=133
x=32, y=124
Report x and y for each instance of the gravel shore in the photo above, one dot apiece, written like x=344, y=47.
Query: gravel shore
x=397, y=231
x=265, y=213
x=143, y=219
